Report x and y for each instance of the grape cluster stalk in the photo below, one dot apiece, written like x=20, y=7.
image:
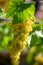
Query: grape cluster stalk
x=21, y=32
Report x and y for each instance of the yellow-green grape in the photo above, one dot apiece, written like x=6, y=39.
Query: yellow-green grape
x=21, y=32
x=15, y=58
x=39, y=58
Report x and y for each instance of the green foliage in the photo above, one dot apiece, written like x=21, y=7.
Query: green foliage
x=35, y=39
x=42, y=30
x=12, y=7
x=41, y=20
x=0, y=10
x=23, y=12
x=30, y=55
x=37, y=27
x=20, y=11
x=35, y=42
x=2, y=13
x=41, y=23
x=18, y=0
x=5, y=36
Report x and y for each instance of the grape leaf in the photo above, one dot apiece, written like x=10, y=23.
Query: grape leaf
x=12, y=6
x=23, y=12
x=20, y=12
x=34, y=40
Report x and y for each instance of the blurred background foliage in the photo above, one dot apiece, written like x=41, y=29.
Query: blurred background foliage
x=33, y=52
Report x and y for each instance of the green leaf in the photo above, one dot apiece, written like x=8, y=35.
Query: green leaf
x=31, y=54
x=12, y=6
x=18, y=0
x=34, y=40
x=37, y=27
x=40, y=49
x=21, y=11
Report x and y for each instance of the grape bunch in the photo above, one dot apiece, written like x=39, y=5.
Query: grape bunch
x=21, y=32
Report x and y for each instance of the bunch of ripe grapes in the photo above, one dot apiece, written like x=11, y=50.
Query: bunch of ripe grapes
x=21, y=32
